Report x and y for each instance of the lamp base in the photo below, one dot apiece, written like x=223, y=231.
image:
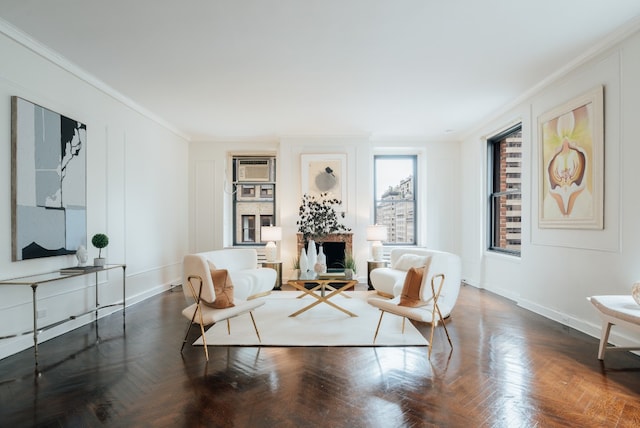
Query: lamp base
x=377, y=251
x=271, y=252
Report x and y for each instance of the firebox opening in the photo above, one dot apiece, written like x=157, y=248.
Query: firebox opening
x=335, y=255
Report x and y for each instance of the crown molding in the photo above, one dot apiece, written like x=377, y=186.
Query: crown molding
x=55, y=58
x=616, y=37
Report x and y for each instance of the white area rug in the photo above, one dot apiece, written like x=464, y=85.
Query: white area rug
x=321, y=325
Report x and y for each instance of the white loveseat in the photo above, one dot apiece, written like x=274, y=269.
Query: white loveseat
x=388, y=281
x=249, y=280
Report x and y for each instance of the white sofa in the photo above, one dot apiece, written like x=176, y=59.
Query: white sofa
x=249, y=280
x=388, y=281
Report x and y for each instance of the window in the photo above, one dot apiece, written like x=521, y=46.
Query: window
x=254, y=192
x=505, y=191
x=395, y=200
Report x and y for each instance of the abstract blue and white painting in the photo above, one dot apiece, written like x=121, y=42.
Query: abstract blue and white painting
x=49, y=209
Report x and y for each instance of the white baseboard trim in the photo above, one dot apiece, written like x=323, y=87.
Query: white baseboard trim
x=13, y=345
x=618, y=337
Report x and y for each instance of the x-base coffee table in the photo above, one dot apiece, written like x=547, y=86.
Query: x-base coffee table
x=323, y=285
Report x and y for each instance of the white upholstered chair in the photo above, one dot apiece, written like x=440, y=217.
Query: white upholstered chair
x=428, y=312
x=621, y=310
x=200, y=313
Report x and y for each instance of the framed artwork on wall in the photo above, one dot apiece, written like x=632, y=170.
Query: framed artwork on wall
x=571, y=163
x=325, y=173
x=48, y=182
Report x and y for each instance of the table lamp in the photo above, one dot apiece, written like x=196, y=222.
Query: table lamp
x=376, y=233
x=271, y=234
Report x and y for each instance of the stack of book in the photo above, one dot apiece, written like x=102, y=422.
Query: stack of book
x=79, y=269
x=331, y=275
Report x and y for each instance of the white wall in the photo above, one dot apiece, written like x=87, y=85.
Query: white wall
x=136, y=193
x=559, y=268
x=210, y=177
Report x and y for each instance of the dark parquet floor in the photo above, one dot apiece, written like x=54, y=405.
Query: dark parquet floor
x=509, y=368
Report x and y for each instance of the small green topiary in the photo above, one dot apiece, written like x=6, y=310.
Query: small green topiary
x=100, y=240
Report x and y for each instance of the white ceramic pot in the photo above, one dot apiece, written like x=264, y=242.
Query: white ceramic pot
x=303, y=261
x=312, y=254
x=321, y=265
x=99, y=261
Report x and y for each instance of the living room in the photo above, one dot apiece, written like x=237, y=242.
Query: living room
x=160, y=195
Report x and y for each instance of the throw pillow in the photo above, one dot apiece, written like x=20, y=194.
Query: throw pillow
x=410, y=295
x=223, y=287
x=407, y=261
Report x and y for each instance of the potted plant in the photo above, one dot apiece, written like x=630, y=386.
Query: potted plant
x=296, y=267
x=349, y=265
x=99, y=240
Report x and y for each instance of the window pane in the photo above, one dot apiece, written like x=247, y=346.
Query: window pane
x=248, y=228
x=506, y=227
x=395, y=191
x=506, y=197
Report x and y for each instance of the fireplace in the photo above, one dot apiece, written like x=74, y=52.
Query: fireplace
x=333, y=246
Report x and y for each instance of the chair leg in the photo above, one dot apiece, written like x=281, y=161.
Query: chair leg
x=228, y=326
x=436, y=308
x=403, y=320
x=197, y=312
x=444, y=324
x=604, y=339
x=378, y=327
x=433, y=327
x=255, y=327
x=204, y=339
x=186, y=335
x=193, y=318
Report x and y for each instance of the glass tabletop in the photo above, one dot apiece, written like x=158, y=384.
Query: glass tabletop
x=57, y=275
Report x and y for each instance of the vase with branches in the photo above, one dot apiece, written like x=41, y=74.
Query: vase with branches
x=318, y=217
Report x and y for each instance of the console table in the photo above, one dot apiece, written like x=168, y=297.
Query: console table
x=47, y=278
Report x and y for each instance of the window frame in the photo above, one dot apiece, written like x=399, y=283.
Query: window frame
x=248, y=192
x=414, y=158
x=494, y=143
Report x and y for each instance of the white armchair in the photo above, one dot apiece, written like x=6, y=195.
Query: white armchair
x=202, y=313
x=249, y=280
x=427, y=311
x=388, y=282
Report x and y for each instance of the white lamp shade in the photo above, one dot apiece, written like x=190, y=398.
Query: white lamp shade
x=377, y=232
x=271, y=233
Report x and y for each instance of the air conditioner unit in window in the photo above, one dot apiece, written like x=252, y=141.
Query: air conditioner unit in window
x=254, y=170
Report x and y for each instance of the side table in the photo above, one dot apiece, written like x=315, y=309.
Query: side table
x=277, y=266
x=371, y=265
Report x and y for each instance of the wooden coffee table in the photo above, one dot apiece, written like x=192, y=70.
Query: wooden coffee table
x=324, y=286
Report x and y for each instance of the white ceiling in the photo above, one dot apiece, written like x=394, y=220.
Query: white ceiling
x=431, y=69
